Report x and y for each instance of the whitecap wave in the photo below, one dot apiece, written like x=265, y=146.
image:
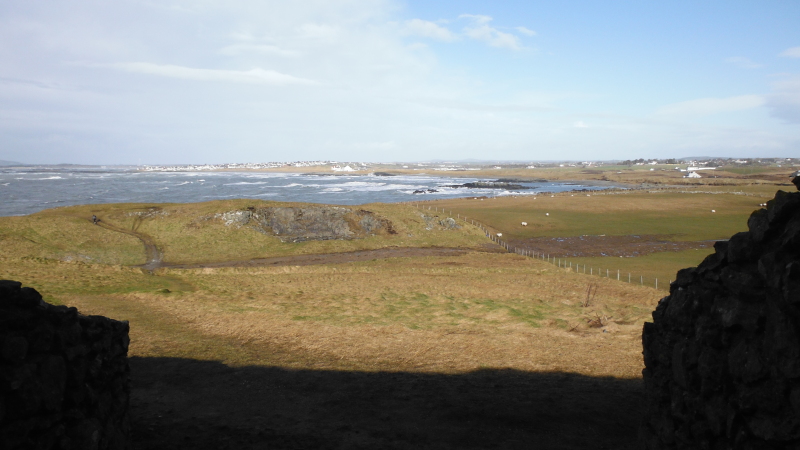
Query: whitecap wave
x=243, y=183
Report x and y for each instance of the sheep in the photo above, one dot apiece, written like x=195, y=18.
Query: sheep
x=524, y=224
x=499, y=234
x=546, y=214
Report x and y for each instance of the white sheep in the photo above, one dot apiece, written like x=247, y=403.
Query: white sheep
x=713, y=210
x=546, y=214
x=524, y=224
x=499, y=234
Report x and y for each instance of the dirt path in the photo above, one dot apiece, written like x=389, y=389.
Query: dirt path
x=154, y=255
x=338, y=258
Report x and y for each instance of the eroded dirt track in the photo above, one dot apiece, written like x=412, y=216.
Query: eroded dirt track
x=337, y=258
x=154, y=255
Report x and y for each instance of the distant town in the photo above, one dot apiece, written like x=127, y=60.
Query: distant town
x=682, y=164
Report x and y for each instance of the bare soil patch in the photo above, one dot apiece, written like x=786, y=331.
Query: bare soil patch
x=593, y=246
x=338, y=258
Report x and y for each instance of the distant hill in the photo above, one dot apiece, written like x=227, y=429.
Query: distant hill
x=10, y=163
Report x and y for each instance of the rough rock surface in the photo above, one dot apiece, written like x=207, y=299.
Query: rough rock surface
x=722, y=356
x=311, y=222
x=64, y=377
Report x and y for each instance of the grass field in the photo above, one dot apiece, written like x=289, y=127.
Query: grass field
x=477, y=347
x=691, y=221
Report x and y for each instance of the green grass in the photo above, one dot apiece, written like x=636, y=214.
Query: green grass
x=684, y=217
x=662, y=266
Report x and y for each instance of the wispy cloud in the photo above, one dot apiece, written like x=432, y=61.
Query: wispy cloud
x=253, y=76
x=526, y=31
x=580, y=124
x=742, y=62
x=707, y=106
x=482, y=31
x=241, y=49
x=793, y=52
x=784, y=101
x=425, y=28
x=472, y=106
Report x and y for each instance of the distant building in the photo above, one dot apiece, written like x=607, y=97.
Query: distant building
x=796, y=174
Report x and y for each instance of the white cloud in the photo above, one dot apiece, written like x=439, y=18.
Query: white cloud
x=742, y=62
x=478, y=18
x=707, y=106
x=481, y=31
x=240, y=49
x=526, y=31
x=784, y=101
x=424, y=28
x=580, y=124
x=793, y=52
x=253, y=76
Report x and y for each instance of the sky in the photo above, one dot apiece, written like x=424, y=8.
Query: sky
x=206, y=81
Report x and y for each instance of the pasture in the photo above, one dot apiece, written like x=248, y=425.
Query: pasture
x=441, y=340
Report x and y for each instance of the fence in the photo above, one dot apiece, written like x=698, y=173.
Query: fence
x=558, y=261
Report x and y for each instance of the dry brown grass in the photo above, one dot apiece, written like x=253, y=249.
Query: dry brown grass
x=435, y=314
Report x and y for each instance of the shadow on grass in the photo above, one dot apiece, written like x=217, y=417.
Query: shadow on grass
x=183, y=403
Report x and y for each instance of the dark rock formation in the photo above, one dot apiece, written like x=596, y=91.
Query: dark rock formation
x=722, y=355
x=63, y=376
x=489, y=185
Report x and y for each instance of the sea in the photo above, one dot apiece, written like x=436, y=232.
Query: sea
x=26, y=190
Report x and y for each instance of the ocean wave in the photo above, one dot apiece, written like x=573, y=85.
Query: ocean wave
x=49, y=178
x=242, y=183
x=185, y=182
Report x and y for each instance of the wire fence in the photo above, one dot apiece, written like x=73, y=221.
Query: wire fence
x=558, y=261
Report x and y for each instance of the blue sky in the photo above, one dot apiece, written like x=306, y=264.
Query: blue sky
x=170, y=81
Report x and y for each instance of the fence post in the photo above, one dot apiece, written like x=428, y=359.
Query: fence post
x=617, y=274
x=656, y=283
x=641, y=280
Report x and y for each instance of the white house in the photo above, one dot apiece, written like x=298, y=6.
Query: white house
x=693, y=175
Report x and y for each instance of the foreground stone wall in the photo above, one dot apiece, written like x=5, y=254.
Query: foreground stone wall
x=722, y=355
x=63, y=376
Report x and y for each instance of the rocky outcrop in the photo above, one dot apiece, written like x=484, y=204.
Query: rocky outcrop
x=63, y=376
x=490, y=185
x=436, y=223
x=722, y=356
x=298, y=224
